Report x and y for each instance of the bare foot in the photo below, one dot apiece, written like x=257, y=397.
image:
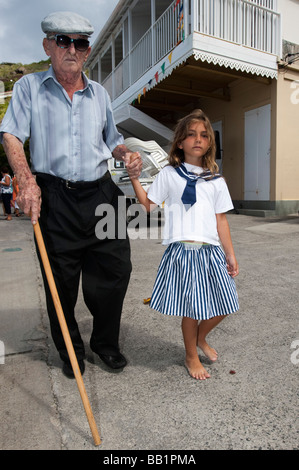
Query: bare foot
x=196, y=369
x=211, y=353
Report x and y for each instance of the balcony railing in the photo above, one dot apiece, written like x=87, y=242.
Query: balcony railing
x=253, y=24
x=239, y=21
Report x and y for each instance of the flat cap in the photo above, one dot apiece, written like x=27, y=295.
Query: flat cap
x=66, y=22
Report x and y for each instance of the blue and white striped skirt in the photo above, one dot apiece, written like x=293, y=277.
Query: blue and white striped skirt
x=192, y=281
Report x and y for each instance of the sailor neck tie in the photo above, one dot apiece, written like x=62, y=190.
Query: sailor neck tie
x=189, y=194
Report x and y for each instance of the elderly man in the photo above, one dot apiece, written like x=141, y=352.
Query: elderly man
x=72, y=135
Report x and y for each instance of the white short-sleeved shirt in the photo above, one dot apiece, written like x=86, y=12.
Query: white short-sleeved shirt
x=199, y=222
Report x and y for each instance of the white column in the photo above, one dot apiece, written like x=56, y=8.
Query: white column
x=113, y=67
x=99, y=69
x=130, y=45
x=153, y=38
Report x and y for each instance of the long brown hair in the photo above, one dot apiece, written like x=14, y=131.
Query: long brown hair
x=176, y=155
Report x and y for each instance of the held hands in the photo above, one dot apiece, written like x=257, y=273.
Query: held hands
x=133, y=164
x=29, y=200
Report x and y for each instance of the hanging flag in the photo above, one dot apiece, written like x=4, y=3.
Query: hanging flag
x=139, y=96
x=178, y=1
x=157, y=76
x=180, y=23
x=170, y=57
x=144, y=90
x=163, y=67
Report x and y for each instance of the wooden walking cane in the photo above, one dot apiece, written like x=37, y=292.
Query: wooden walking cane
x=66, y=335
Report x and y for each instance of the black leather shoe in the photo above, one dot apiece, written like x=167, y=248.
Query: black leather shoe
x=68, y=370
x=114, y=362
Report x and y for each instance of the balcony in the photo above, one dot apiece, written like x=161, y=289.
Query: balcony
x=237, y=34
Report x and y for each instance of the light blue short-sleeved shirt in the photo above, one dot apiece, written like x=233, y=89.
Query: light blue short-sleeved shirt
x=70, y=139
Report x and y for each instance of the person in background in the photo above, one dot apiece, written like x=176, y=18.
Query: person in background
x=6, y=191
x=15, y=193
x=72, y=136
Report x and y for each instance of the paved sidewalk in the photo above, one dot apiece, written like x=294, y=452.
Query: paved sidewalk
x=153, y=403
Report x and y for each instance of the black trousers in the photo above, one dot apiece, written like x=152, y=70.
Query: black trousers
x=68, y=223
x=6, y=198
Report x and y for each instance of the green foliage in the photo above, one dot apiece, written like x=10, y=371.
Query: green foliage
x=9, y=74
x=3, y=108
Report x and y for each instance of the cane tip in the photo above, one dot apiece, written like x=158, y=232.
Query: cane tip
x=97, y=441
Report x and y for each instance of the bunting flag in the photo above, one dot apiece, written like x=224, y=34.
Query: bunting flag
x=178, y=1
x=181, y=22
x=180, y=26
x=163, y=66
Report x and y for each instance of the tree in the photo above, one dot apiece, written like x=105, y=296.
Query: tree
x=3, y=157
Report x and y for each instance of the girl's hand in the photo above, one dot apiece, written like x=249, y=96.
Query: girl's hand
x=232, y=265
x=133, y=164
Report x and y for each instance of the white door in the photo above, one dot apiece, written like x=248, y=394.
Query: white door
x=257, y=154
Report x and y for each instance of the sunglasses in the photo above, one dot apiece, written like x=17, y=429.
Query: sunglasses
x=64, y=42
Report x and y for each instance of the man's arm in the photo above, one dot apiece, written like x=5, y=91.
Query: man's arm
x=29, y=197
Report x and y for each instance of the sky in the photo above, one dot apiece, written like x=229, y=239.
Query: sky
x=20, y=24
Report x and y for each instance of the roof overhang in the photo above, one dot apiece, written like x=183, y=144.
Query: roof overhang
x=132, y=122
x=233, y=60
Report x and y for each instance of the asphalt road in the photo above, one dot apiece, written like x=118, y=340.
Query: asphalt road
x=250, y=402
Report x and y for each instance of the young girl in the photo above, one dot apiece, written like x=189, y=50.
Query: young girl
x=195, y=277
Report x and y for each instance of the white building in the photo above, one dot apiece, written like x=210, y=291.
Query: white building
x=238, y=60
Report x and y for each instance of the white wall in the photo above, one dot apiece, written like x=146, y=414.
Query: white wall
x=289, y=10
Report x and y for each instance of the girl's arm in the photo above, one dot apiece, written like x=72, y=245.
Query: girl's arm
x=226, y=241
x=141, y=195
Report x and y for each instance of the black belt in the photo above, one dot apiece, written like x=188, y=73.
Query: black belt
x=72, y=184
